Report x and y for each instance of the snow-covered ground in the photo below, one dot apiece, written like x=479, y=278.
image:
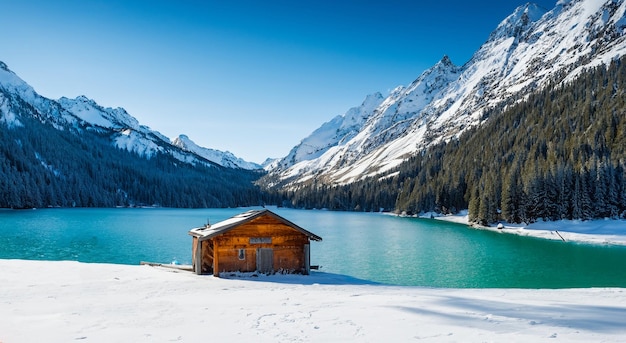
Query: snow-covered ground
x=603, y=231
x=63, y=301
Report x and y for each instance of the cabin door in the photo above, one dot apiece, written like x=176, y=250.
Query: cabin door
x=264, y=260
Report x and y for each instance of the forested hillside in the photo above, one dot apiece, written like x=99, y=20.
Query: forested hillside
x=559, y=154
x=45, y=166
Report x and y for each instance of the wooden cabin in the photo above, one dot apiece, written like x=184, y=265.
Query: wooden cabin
x=257, y=240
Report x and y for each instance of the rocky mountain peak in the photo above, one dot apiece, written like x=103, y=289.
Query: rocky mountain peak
x=518, y=22
x=446, y=62
x=526, y=50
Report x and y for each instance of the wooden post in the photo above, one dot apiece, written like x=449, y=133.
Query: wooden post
x=307, y=259
x=198, y=256
x=216, y=269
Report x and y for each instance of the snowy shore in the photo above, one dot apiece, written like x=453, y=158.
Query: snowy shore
x=63, y=301
x=604, y=231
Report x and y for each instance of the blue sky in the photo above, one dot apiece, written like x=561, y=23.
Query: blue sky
x=250, y=77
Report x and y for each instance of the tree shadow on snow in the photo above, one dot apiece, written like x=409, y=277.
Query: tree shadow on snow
x=591, y=318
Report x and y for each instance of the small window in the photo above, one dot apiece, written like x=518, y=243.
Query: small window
x=242, y=254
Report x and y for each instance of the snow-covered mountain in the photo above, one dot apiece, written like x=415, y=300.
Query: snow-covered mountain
x=226, y=159
x=123, y=129
x=529, y=48
x=339, y=129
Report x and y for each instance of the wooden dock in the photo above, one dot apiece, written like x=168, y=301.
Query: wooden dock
x=184, y=267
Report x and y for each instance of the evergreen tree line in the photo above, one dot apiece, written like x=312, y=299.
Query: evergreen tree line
x=558, y=154
x=41, y=166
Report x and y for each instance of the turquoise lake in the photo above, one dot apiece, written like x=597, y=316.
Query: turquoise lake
x=370, y=246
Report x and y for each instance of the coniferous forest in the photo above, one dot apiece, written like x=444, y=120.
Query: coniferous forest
x=560, y=153
x=41, y=166
x=556, y=154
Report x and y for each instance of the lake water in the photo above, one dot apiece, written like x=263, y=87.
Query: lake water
x=370, y=246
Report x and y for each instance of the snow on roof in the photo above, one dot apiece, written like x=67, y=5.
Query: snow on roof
x=210, y=231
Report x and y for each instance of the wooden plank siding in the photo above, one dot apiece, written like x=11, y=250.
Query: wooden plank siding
x=287, y=243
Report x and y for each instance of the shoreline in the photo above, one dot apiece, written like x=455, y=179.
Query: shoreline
x=599, y=231
x=68, y=301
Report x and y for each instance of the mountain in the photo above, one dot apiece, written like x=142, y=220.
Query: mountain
x=73, y=152
x=129, y=135
x=126, y=132
x=225, y=159
x=527, y=50
x=559, y=153
x=340, y=128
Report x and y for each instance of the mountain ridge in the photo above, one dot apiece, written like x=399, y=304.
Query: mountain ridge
x=559, y=153
x=526, y=49
x=75, y=153
x=126, y=132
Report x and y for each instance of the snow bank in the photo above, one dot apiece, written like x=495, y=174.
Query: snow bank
x=601, y=231
x=44, y=301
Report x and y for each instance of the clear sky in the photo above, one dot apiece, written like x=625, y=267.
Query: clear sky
x=249, y=77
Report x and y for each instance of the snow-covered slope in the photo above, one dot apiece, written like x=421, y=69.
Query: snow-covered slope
x=123, y=129
x=226, y=159
x=126, y=133
x=339, y=129
x=15, y=93
x=527, y=49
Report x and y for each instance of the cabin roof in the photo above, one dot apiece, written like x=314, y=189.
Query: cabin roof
x=210, y=231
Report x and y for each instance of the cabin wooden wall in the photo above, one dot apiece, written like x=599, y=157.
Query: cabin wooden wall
x=286, y=242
